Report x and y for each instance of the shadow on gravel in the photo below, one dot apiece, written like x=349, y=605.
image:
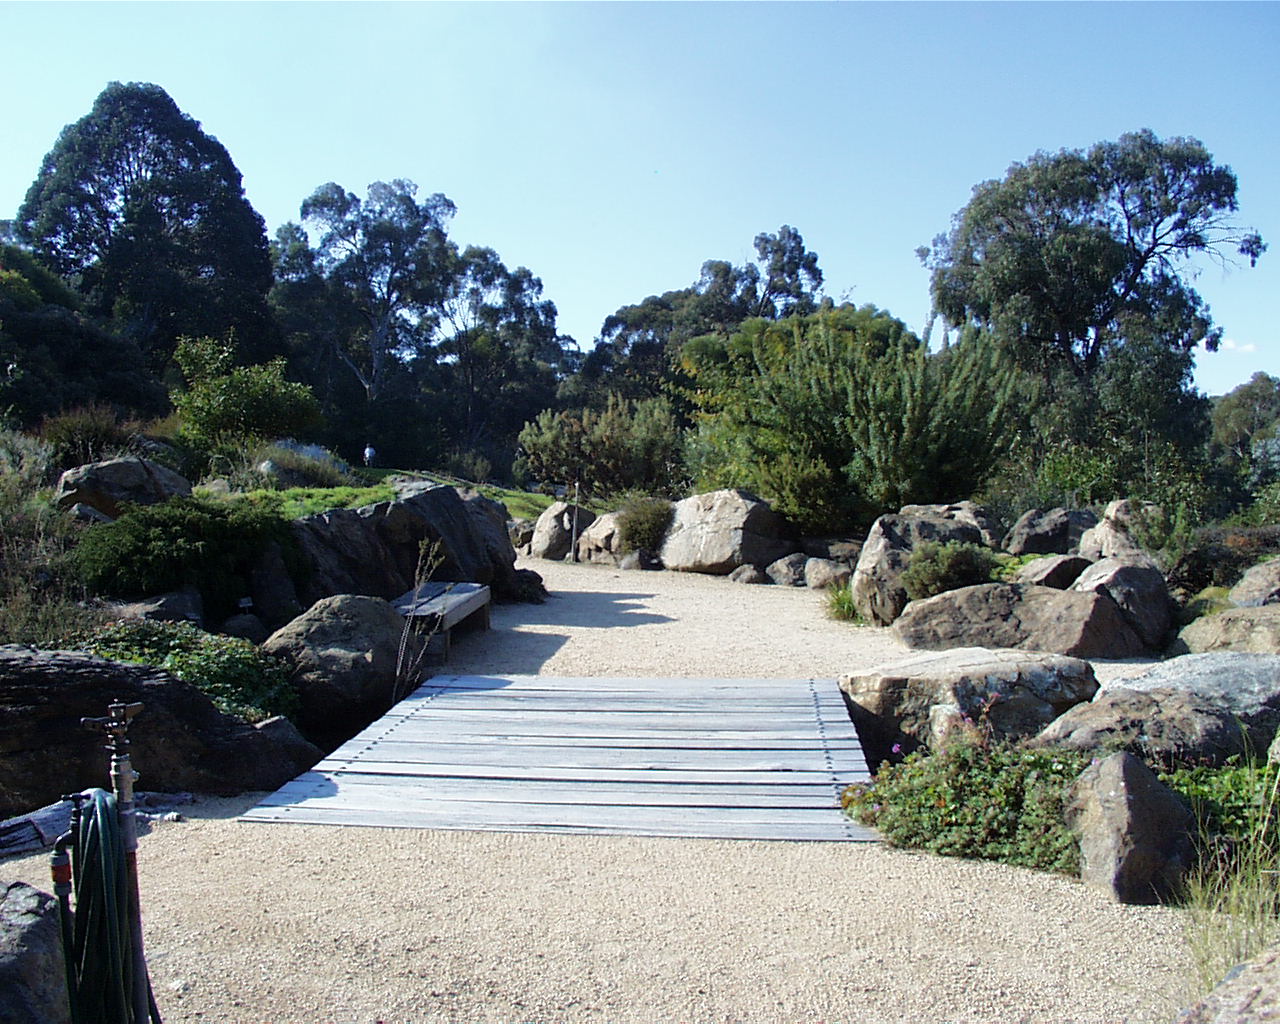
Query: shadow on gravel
x=587, y=609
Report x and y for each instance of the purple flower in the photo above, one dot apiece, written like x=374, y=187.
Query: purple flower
x=896, y=748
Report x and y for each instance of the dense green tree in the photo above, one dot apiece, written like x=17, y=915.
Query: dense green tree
x=842, y=415
x=1248, y=413
x=1073, y=253
x=145, y=214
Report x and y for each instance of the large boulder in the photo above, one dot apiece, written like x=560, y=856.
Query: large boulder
x=1249, y=994
x=1055, y=532
x=918, y=700
x=601, y=541
x=377, y=550
x=878, y=593
x=1253, y=629
x=1140, y=592
x=553, y=533
x=1135, y=833
x=33, y=973
x=1015, y=615
x=179, y=742
x=348, y=656
x=109, y=486
x=717, y=532
x=967, y=513
x=1113, y=536
x=1056, y=571
x=1259, y=585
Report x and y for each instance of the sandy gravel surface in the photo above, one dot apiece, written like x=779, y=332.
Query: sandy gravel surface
x=284, y=923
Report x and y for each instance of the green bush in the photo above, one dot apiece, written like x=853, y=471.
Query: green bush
x=974, y=799
x=238, y=677
x=152, y=549
x=936, y=568
x=88, y=434
x=643, y=523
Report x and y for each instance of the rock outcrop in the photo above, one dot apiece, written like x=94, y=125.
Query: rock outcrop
x=878, y=593
x=109, y=486
x=1135, y=833
x=1028, y=618
x=1055, y=532
x=717, y=532
x=179, y=742
x=919, y=700
x=346, y=659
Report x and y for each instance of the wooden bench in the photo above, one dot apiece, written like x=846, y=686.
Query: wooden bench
x=446, y=604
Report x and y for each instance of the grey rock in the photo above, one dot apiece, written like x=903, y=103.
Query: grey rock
x=1135, y=834
x=1141, y=593
x=1113, y=536
x=1056, y=571
x=554, y=531
x=108, y=486
x=345, y=657
x=246, y=626
x=179, y=742
x=921, y=699
x=788, y=571
x=640, y=559
x=601, y=541
x=967, y=513
x=820, y=573
x=32, y=973
x=1014, y=615
x=1246, y=685
x=1260, y=585
x=878, y=593
x=1055, y=532
x=1254, y=629
x=833, y=549
x=717, y=532
x=520, y=531
x=275, y=598
x=1249, y=994
x=88, y=514
x=749, y=574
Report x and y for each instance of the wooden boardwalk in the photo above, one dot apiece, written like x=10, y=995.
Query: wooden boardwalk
x=728, y=758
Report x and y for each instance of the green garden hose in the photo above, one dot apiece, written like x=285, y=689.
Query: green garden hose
x=101, y=961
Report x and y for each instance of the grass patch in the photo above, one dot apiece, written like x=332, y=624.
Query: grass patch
x=840, y=604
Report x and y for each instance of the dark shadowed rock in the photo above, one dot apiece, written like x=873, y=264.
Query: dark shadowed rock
x=1056, y=571
x=835, y=549
x=1253, y=630
x=717, y=532
x=183, y=605
x=749, y=574
x=108, y=486
x=1084, y=625
x=878, y=593
x=246, y=626
x=554, y=531
x=275, y=598
x=919, y=700
x=788, y=571
x=1260, y=585
x=1135, y=834
x=640, y=559
x=344, y=654
x=179, y=742
x=1140, y=592
x=1055, y=532
x=520, y=532
x=33, y=977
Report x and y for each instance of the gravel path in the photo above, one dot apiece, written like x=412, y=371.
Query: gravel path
x=285, y=923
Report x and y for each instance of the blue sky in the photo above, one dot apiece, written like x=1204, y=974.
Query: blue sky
x=612, y=148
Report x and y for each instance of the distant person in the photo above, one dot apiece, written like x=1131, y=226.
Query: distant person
x=369, y=455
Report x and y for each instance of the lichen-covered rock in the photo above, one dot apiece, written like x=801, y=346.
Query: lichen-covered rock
x=33, y=974
x=919, y=700
x=1254, y=629
x=109, y=485
x=1055, y=532
x=1135, y=834
x=1028, y=618
x=717, y=532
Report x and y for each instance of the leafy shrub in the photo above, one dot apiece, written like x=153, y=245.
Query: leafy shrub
x=935, y=568
x=973, y=799
x=25, y=461
x=156, y=548
x=1008, y=566
x=88, y=434
x=1219, y=556
x=1230, y=802
x=300, y=465
x=238, y=677
x=643, y=523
